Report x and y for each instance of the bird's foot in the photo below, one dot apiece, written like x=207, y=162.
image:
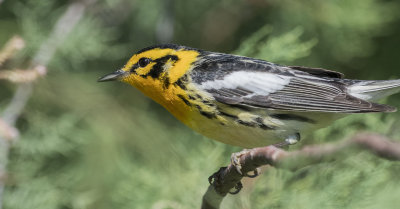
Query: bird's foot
x=238, y=187
x=235, y=161
x=214, y=179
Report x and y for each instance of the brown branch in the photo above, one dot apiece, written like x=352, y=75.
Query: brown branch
x=228, y=177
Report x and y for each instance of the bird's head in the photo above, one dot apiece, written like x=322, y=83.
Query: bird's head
x=157, y=71
x=155, y=67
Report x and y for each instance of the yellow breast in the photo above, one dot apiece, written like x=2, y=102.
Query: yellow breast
x=169, y=98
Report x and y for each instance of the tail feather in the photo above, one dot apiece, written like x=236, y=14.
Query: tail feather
x=374, y=90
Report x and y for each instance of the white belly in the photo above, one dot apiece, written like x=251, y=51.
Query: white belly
x=237, y=134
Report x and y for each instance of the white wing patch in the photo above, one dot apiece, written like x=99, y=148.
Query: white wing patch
x=260, y=83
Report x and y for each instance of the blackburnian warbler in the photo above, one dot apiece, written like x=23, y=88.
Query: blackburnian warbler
x=248, y=102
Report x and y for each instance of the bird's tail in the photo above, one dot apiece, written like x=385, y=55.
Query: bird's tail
x=373, y=90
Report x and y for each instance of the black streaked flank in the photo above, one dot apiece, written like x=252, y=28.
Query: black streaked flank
x=228, y=115
x=184, y=100
x=245, y=123
x=256, y=123
x=265, y=127
x=262, y=125
x=292, y=117
x=181, y=82
x=208, y=103
x=209, y=115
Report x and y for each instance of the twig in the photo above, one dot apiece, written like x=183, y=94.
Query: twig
x=23, y=76
x=227, y=178
x=15, y=44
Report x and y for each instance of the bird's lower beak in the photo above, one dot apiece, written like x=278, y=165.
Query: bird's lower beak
x=117, y=75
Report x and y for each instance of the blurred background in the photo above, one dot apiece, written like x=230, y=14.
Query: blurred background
x=82, y=144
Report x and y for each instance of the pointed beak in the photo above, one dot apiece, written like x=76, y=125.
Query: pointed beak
x=117, y=75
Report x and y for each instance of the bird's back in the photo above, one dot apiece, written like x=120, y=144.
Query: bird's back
x=244, y=81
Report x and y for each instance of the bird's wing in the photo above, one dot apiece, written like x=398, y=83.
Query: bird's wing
x=320, y=72
x=292, y=91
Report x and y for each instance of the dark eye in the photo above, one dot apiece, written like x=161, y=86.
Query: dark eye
x=143, y=62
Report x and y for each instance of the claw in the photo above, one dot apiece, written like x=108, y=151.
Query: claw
x=211, y=178
x=235, y=160
x=238, y=187
x=256, y=173
x=214, y=177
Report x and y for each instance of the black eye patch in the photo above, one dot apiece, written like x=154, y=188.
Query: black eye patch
x=143, y=62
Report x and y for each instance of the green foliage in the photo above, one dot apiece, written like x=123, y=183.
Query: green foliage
x=284, y=48
x=94, y=145
x=345, y=28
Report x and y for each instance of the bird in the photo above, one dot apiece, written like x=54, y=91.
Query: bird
x=247, y=102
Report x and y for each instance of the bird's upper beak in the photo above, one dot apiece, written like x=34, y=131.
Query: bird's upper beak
x=117, y=75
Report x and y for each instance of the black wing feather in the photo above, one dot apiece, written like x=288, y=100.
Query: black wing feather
x=320, y=72
x=310, y=89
